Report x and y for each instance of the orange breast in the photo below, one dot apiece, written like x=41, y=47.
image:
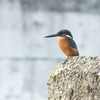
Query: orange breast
x=66, y=48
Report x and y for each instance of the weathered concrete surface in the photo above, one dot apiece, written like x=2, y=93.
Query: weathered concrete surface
x=77, y=78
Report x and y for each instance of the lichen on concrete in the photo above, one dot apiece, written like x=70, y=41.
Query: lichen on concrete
x=76, y=78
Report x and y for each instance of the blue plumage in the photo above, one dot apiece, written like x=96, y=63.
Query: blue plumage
x=72, y=42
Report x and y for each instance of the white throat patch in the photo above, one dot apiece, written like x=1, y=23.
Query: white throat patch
x=69, y=36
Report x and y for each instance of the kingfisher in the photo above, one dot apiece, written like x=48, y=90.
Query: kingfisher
x=66, y=42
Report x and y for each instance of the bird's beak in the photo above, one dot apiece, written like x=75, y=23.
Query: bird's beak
x=53, y=35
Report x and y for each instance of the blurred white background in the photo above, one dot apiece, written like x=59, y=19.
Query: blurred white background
x=26, y=57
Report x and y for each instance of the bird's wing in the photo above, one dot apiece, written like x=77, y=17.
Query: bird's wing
x=72, y=42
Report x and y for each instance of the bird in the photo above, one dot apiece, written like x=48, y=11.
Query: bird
x=66, y=42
